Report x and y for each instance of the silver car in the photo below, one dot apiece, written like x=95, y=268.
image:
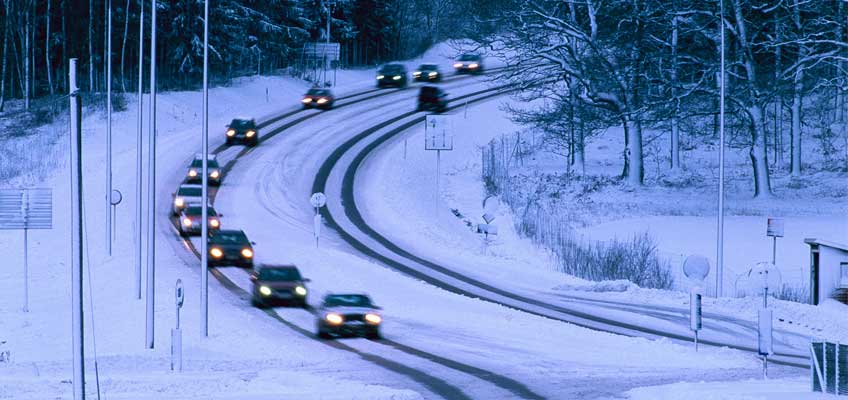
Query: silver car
x=186, y=194
x=348, y=315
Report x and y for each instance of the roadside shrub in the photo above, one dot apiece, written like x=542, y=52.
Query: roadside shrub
x=798, y=294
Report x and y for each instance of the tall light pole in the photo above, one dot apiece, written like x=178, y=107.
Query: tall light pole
x=151, y=185
x=204, y=223
x=138, y=154
x=720, y=238
x=76, y=236
x=108, y=196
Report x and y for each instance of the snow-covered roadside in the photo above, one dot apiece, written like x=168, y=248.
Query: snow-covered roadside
x=769, y=389
x=244, y=356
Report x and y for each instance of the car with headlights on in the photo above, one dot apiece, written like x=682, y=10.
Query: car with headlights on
x=278, y=284
x=432, y=98
x=468, y=63
x=348, y=315
x=318, y=98
x=244, y=131
x=190, y=220
x=195, y=170
x=230, y=247
x=186, y=194
x=392, y=75
x=427, y=73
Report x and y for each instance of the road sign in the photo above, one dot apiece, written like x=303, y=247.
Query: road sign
x=26, y=209
x=438, y=133
x=696, y=267
x=774, y=227
x=117, y=197
x=695, y=313
x=318, y=200
x=487, y=229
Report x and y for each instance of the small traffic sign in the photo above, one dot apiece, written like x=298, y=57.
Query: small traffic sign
x=318, y=200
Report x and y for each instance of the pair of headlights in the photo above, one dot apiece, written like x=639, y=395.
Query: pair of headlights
x=338, y=319
x=232, y=132
x=212, y=222
x=192, y=173
x=298, y=290
x=321, y=100
x=218, y=253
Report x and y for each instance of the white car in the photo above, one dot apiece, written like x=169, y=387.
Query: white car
x=186, y=194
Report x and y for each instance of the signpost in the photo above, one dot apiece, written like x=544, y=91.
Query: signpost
x=774, y=228
x=765, y=343
x=317, y=200
x=176, y=333
x=438, y=137
x=26, y=209
x=114, y=200
x=696, y=268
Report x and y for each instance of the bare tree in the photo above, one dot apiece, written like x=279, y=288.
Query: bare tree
x=6, y=24
x=124, y=44
x=27, y=51
x=47, y=45
x=91, y=46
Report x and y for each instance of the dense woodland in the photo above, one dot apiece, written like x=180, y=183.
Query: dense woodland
x=246, y=37
x=654, y=64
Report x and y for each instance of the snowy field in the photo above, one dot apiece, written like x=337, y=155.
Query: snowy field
x=437, y=343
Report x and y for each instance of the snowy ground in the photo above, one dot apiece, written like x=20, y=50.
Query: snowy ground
x=438, y=344
x=770, y=389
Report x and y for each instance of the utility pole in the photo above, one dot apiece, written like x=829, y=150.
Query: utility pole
x=109, y=127
x=76, y=235
x=720, y=239
x=204, y=223
x=138, y=154
x=151, y=185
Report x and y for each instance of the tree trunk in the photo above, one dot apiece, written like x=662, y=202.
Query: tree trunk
x=675, y=122
x=124, y=44
x=27, y=51
x=91, y=46
x=64, y=11
x=47, y=43
x=758, y=153
x=778, y=123
x=840, y=83
x=797, y=94
x=580, y=155
x=6, y=25
x=636, y=172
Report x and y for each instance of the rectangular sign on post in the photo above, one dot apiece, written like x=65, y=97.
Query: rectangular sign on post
x=26, y=209
x=765, y=344
x=695, y=313
x=438, y=134
x=775, y=227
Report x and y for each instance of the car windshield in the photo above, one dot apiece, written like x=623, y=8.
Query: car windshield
x=233, y=237
x=242, y=124
x=468, y=57
x=347, y=300
x=190, y=192
x=392, y=69
x=197, y=210
x=427, y=67
x=279, y=274
x=318, y=92
x=209, y=164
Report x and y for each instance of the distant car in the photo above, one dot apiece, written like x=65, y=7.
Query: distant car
x=230, y=247
x=432, y=98
x=278, y=284
x=469, y=63
x=186, y=194
x=318, y=98
x=427, y=73
x=196, y=168
x=243, y=130
x=392, y=75
x=348, y=315
x=191, y=217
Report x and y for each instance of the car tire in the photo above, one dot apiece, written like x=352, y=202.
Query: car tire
x=323, y=335
x=257, y=304
x=375, y=335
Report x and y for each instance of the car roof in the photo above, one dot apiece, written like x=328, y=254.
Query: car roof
x=346, y=294
x=276, y=266
x=191, y=186
x=196, y=206
x=229, y=232
x=429, y=65
x=243, y=119
x=199, y=156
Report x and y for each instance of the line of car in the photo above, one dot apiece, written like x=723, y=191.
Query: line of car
x=345, y=314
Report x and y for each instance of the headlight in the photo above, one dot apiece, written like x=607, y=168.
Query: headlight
x=416, y=73
x=231, y=132
x=334, y=319
x=192, y=173
x=457, y=65
x=215, y=174
x=214, y=223
x=300, y=290
x=433, y=74
x=396, y=77
x=250, y=133
x=380, y=76
x=216, y=252
x=322, y=100
x=306, y=100
x=179, y=202
x=265, y=290
x=247, y=253
x=373, y=319
x=472, y=66
x=187, y=222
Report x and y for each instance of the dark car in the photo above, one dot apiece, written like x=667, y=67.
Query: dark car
x=391, y=75
x=191, y=217
x=348, y=315
x=318, y=98
x=432, y=98
x=469, y=63
x=230, y=247
x=196, y=168
x=186, y=194
x=278, y=284
x=427, y=73
x=243, y=130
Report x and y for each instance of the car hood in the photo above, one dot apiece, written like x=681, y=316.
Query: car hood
x=230, y=246
x=350, y=310
x=280, y=284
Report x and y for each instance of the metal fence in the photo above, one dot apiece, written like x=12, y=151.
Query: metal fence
x=830, y=367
